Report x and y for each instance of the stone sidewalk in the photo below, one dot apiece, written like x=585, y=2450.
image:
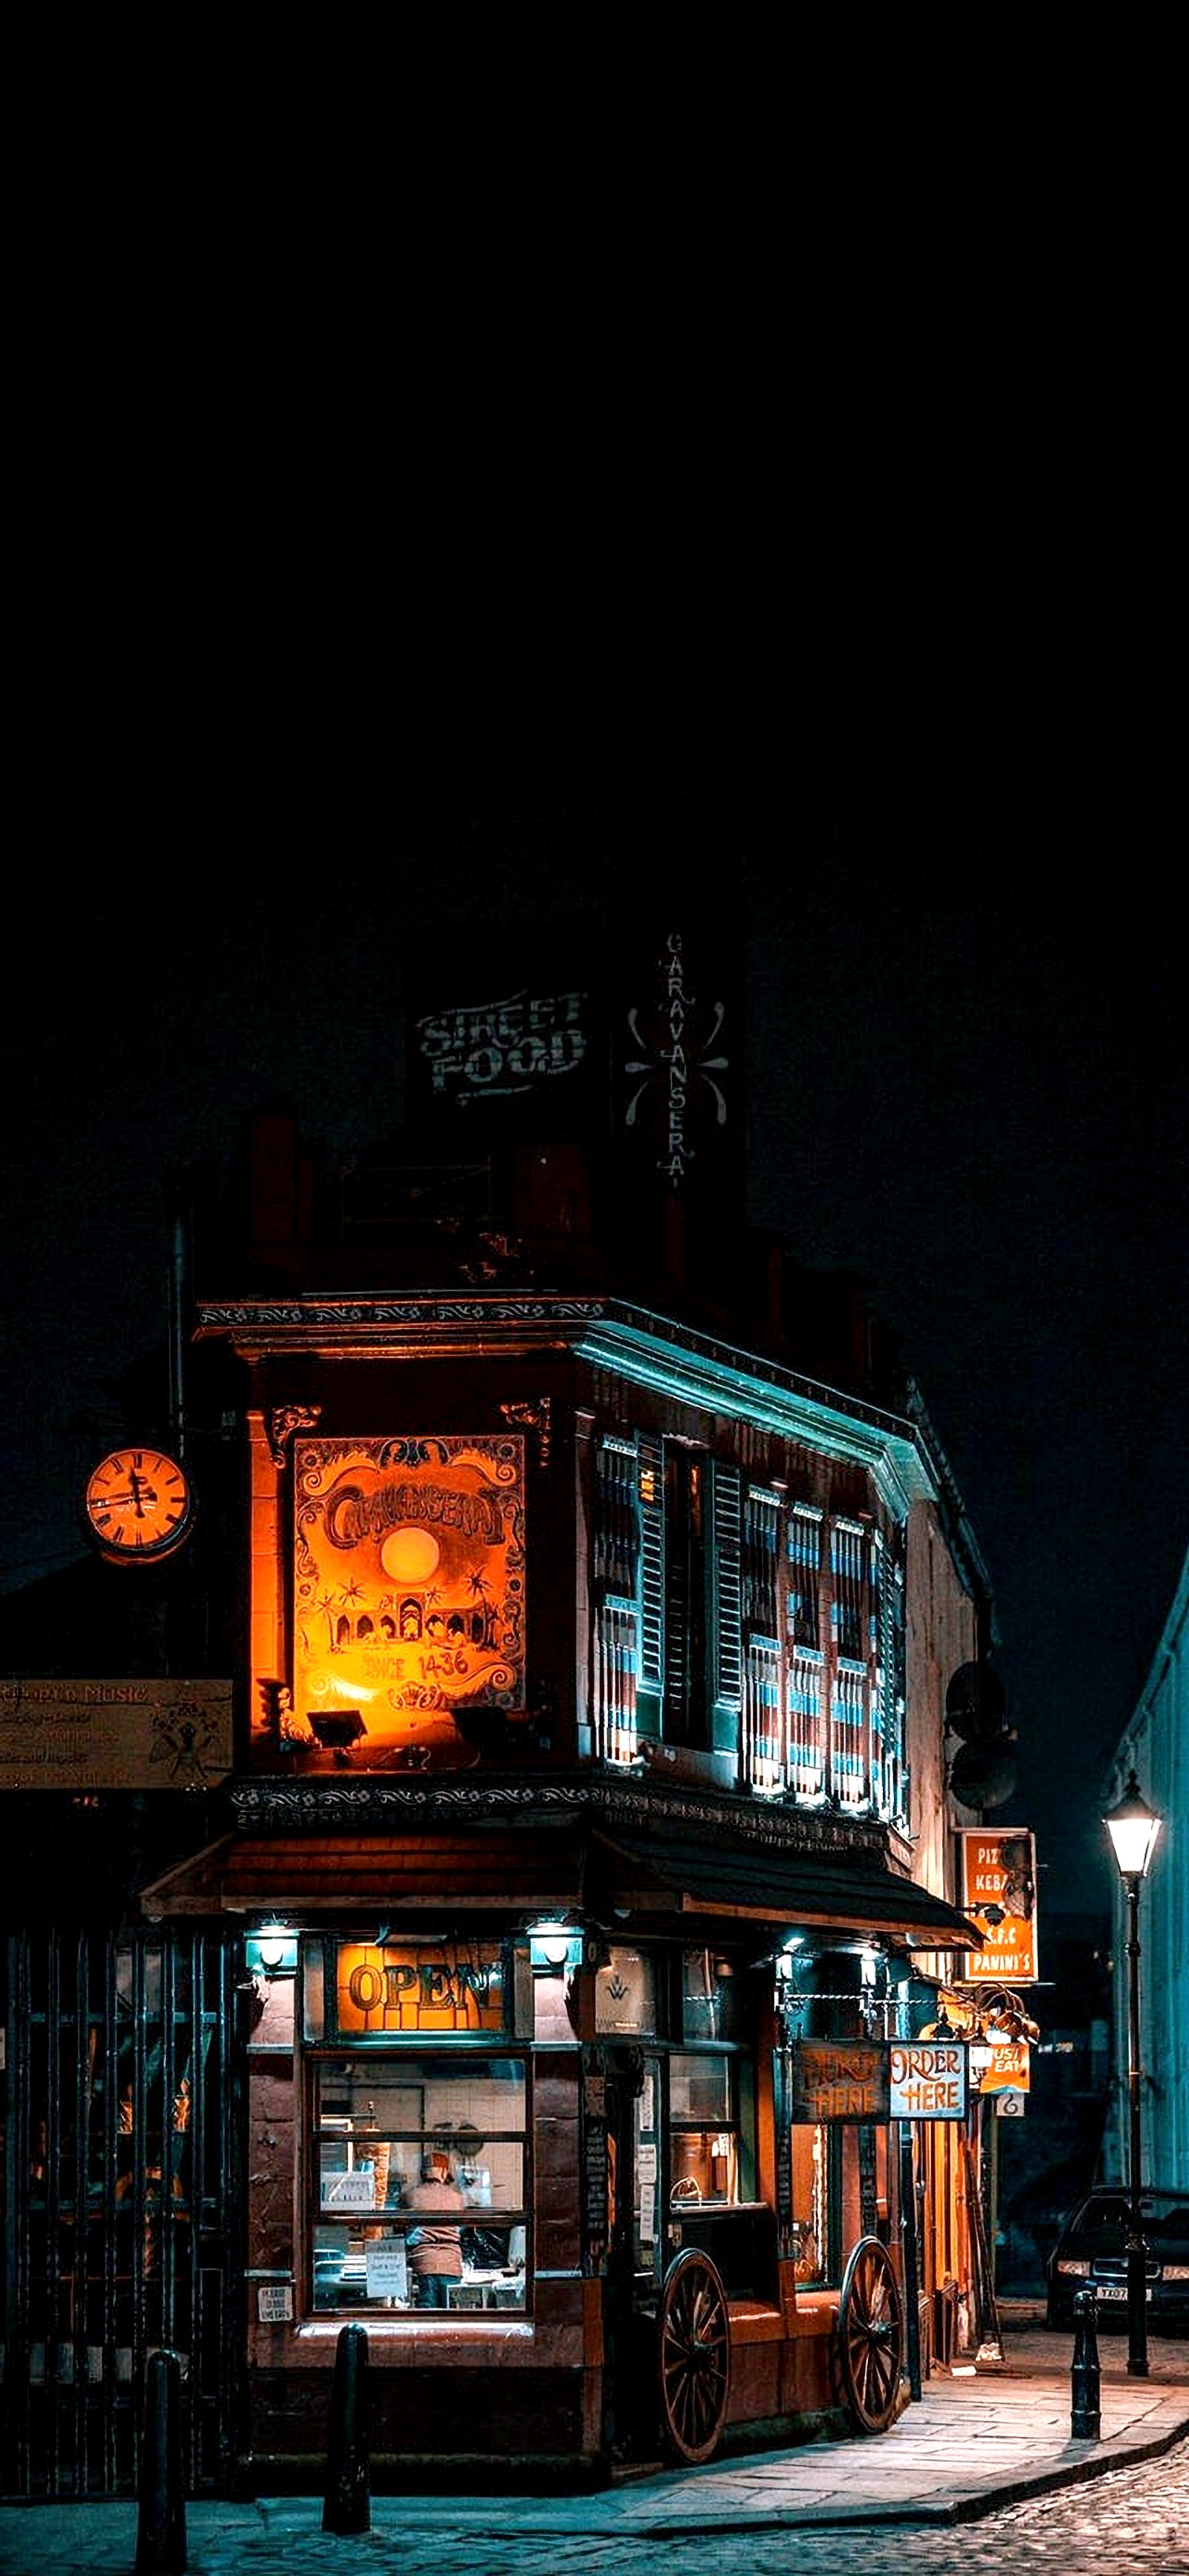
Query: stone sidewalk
x=987, y=2434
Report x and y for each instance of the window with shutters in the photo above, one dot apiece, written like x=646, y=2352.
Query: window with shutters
x=765, y=1739
x=806, y=1663
x=616, y=1562
x=729, y=1619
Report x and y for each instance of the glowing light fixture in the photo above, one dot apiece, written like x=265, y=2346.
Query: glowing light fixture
x=550, y=1945
x=272, y=1948
x=1134, y=1828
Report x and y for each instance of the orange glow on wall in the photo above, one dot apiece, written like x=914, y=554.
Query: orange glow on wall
x=408, y=1591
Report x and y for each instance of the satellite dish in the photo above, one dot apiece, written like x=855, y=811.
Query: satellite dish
x=975, y=1704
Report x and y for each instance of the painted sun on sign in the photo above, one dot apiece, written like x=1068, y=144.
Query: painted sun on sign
x=408, y=1591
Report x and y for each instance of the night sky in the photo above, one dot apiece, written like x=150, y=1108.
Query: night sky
x=967, y=1084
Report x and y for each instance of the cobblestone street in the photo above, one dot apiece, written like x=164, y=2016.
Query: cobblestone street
x=1133, y=2521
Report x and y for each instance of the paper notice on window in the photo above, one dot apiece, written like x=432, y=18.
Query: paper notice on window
x=387, y=2269
x=646, y=2164
x=355, y=2190
x=647, y=2222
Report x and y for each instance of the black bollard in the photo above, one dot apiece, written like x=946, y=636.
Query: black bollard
x=1084, y=2419
x=348, y=2505
x=161, y=2520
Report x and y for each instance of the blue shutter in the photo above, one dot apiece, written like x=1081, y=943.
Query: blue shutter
x=727, y=1605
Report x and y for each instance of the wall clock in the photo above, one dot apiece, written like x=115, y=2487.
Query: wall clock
x=139, y=1504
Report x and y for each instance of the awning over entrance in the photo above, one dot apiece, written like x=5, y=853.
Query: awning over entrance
x=623, y=1878
x=838, y=1893
x=365, y=1873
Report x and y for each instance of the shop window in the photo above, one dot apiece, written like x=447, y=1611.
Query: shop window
x=420, y=2187
x=816, y=2192
x=711, y=2006
x=712, y=2170
x=704, y=2129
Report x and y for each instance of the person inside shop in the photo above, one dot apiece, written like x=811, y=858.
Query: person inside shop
x=435, y=2248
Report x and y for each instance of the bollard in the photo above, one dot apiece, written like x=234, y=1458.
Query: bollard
x=348, y=2501
x=1085, y=2419
x=161, y=2518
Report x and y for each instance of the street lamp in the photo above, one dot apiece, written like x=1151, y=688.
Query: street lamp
x=1133, y=1828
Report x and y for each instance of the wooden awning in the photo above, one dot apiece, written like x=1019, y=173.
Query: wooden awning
x=782, y=1889
x=635, y=1881
x=360, y=1873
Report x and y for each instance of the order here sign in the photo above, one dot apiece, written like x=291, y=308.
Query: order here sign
x=927, y=2079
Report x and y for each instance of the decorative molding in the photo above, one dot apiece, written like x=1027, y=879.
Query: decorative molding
x=384, y=1805
x=283, y=1421
x=536, y=1417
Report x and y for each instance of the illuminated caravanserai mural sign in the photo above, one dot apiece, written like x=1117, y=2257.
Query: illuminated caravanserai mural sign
x=408, y=1592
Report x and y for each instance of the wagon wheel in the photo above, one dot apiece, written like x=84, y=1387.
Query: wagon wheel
x=870, y=2335
x=694, y=2355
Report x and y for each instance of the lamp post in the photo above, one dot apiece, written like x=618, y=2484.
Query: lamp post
x=1133, y=1828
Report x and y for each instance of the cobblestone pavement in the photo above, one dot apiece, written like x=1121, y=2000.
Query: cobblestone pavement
x=983, y=2477
x=1132, y=2521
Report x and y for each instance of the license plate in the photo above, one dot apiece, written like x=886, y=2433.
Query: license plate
x=1108, y=2291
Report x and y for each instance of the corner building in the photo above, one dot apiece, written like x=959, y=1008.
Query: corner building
x=574, y=1846
x=587, y=1840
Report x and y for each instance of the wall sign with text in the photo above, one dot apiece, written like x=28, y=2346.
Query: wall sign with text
x=927, y=2079
x=409, y=1597
x=998, y=1891
x=838, y=2080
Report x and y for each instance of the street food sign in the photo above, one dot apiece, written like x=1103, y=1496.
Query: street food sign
x=839, y=2080
x=927, y=2079
x=998, y=1892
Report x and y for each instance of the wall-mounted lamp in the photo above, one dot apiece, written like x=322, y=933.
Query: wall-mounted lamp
x=554, y=1947
x=272, y=1950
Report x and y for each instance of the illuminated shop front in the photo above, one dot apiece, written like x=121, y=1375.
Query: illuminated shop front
x=730, y=2091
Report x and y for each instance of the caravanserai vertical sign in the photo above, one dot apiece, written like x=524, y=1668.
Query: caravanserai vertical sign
x=408, y=1591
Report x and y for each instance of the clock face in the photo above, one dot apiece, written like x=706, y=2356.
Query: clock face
x=138, y=1504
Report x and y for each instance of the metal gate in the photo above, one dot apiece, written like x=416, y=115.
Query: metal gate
x=121, y=2204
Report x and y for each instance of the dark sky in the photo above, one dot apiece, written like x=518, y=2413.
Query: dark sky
x=968, y=1082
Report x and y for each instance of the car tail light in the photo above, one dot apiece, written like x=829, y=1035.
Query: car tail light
x=1176, y=2271
x=1068, y=2263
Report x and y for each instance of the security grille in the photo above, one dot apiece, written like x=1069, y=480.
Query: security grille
x=121, y=2204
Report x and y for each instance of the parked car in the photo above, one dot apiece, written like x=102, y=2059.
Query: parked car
x=1091, y=2254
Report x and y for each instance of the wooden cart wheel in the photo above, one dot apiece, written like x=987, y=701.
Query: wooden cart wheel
x=694, y=2354
x=870, y=2335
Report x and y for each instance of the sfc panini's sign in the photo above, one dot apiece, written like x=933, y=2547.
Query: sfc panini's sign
x=998, y=1892
x=141, y=1734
